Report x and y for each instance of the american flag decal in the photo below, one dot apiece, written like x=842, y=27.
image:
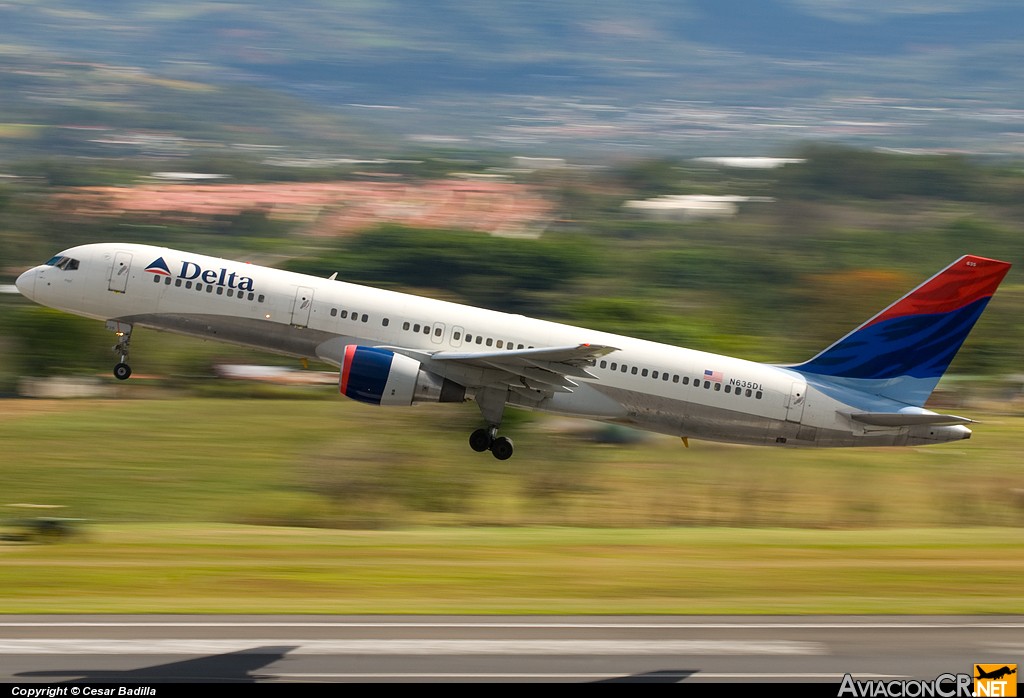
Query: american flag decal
x=710, y=375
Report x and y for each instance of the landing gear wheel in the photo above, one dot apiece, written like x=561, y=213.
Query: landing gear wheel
x=501, y=448
x=480, y=440
x=123, y=332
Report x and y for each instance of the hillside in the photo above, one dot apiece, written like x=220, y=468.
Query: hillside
x=744, y=73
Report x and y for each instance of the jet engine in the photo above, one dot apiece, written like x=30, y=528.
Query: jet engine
x=382, y=377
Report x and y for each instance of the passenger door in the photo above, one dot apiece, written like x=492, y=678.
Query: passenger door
x=302, y=306
x=119, y=272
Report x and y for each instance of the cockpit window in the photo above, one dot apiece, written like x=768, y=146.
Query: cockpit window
x=65, y=263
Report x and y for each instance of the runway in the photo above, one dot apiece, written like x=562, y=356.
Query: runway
x=691, y=649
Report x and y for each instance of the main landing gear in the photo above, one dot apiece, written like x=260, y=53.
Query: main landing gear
x=488, y=440
x=491, y=402
x=122, y=371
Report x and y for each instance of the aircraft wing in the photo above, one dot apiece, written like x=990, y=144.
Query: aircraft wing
x=545, y=369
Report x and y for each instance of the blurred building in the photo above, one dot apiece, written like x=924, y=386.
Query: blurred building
x=685, y=207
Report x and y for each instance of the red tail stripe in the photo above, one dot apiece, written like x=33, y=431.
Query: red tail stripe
x=967, y=280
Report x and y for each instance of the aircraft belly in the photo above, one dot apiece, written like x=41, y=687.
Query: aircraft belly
x=261, y=334
x=690, y=419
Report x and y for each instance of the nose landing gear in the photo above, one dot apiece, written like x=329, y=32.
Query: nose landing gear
x=123, y=331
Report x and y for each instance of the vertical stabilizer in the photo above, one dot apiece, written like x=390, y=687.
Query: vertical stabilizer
x=902, y=352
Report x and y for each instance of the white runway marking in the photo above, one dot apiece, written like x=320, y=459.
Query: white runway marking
x=533, y=624
x=806, y=676
x=415, y=647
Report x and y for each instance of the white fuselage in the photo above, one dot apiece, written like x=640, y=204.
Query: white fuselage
x=651, y=386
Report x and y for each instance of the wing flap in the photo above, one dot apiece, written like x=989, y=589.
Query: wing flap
x=576, y=355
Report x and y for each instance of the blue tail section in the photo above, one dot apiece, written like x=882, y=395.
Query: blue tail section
x=902, y=352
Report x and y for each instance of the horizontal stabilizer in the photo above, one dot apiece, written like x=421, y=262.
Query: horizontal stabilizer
x=900, y=419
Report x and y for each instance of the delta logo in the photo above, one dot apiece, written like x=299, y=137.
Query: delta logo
x=190, y=271
x=159, y=267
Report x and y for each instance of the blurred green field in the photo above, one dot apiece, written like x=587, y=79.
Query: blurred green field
x=329, y=506
x=200, y=568
x=334, y=463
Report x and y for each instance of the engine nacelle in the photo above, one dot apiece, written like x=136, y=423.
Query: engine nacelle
x=382, y=377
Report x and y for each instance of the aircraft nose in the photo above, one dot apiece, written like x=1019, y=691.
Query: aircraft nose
x=26, y=283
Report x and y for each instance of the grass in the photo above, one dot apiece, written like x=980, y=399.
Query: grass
x=203, y=568
x=340, y=464
x=367, y=510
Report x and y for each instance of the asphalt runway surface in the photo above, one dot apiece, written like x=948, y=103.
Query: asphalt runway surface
x=655, y=649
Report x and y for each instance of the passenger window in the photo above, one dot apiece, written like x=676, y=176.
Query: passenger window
x=501, y=344
x=457, y=336
x=654, y=375
x=490, y=341
x=479, y=339
x=633, y=370
x=438, y=331
x=199, y=287
x=748, y=392
x=615, y=366
x=365, y=317
x=385, y=322
x=405, y=325
x=426, y=329
x=718, y=387
x=686, y=380
x=177, y=282
x=334, y=312
x=758, y=395
x=604, y=364
x=728, y=388
x=231, y=294
x=220, y=290
x=260, y=299
x=156, y=278
x=416, y=327
x=625, y=368
x=644, y=373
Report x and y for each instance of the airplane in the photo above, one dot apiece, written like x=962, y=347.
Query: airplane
x=995, y=674
x=393, y=349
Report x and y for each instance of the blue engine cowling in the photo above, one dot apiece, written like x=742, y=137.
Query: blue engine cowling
x=382, y=377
